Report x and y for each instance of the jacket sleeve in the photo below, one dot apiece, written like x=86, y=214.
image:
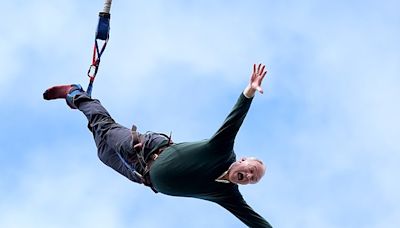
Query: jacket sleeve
x=227, y=132
x=239, y=208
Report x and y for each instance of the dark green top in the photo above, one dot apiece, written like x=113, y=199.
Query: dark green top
x=189, y=169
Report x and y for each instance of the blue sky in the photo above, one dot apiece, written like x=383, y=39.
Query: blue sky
x=327, y=125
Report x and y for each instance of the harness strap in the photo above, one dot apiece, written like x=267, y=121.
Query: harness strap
x=102, y=34
x=141, y=146
x=137, y=176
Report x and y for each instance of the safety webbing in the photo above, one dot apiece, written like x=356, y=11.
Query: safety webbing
x=102, y=35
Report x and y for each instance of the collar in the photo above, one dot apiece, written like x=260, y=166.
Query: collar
x=220, y=180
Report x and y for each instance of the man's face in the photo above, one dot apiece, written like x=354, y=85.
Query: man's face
x=246, y=171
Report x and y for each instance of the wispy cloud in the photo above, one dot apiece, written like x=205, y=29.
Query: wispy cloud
x=327, y=126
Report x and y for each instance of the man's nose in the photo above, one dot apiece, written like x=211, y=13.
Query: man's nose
x=249, y=176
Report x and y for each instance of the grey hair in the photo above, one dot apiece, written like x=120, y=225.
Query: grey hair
x=255, y=159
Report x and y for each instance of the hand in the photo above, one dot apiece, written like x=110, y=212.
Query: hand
x=255, y=80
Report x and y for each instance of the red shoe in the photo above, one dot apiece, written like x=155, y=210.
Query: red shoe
x=67, y=92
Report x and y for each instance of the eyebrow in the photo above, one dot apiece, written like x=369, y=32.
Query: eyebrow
x=256, y=170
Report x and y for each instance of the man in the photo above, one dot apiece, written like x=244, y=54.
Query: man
x=206, y=169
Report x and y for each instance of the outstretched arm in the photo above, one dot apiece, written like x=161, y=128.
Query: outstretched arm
x=239, y=208
x=226, y=134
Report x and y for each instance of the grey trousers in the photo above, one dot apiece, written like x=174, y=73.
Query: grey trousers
x=114, y=142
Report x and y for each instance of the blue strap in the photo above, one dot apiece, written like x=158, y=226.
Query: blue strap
x=137, y=176
x=103, y=27
x=77, y=89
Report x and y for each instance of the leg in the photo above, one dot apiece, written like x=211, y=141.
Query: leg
x=114, y=142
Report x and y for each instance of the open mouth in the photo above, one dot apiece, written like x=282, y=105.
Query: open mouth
x=240, y=176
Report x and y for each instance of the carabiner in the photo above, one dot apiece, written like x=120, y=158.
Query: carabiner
x=92, y=70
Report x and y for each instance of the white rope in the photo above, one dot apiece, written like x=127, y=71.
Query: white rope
x=107, y=6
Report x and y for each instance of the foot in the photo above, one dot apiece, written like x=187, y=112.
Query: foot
x=57, y=92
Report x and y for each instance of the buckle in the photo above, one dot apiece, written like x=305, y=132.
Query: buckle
x=154, y=156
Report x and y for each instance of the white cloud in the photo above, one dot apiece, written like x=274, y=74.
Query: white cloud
x=62, y=190
x=332, y=98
